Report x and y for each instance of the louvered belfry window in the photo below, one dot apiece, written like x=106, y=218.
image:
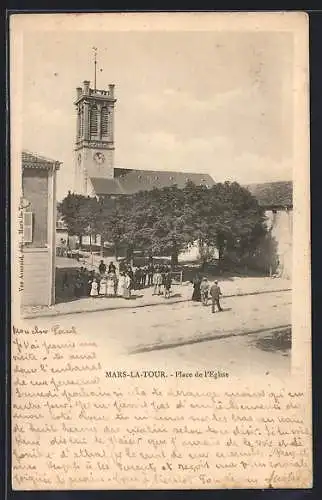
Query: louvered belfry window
x=104, y=121
x=80, y=122
x=27, y=227
x=93, y=125
x=79, y=119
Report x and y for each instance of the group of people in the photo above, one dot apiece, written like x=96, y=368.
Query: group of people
x=109, y=283
x=112, y=282
x=202, y=291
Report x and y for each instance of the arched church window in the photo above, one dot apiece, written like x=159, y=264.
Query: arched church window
x=93, y=124
x=105, y=121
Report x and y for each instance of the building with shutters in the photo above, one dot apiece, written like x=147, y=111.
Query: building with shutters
x=39, y=228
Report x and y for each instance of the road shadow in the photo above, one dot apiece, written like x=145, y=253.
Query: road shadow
x=209, y=338
x=224, y=309
x=225, y=273
x=278, y=340
x=135, y=296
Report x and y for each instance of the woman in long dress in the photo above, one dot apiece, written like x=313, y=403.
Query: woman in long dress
x=127, y=286
x=120, y=285
x=196, y=296
x=103, y=286
x=110, y=284
x=157, y=282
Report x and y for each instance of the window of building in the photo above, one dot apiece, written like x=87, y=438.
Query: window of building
x=27, y=227
x=93, y=120
x=104, y=121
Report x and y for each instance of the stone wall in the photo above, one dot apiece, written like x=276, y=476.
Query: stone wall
x=36, y=277
x=281, y=224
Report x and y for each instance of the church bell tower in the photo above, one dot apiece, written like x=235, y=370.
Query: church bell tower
x=94, y=145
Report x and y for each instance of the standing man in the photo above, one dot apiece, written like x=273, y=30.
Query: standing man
x=215, y=294
x=102, y=268
x=111, y=268
x=143, y=276
x=137, y=278
x=167, y=283
x=150, y=274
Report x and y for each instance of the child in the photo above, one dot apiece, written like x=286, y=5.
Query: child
x=94, y=288
x=204, y=290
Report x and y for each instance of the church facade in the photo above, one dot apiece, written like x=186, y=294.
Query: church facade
x=95, y=174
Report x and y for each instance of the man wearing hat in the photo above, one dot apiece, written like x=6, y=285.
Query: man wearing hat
x=215, y=294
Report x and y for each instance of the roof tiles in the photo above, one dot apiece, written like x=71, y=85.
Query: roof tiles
x=273, y=194
x=34, y=160
x=128, y=181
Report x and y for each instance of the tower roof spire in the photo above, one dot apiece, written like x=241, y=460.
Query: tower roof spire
x=95, y=65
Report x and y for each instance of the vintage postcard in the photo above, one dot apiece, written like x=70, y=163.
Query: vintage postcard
x=160, y=251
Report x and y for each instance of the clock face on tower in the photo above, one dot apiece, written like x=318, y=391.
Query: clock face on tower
x=99, y=158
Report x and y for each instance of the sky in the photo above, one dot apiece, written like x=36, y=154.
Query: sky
x=213, y=102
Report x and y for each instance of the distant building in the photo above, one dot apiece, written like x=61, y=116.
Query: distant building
x=39, y=228
x=61, y=231
x=95, y=174
x=277, y=200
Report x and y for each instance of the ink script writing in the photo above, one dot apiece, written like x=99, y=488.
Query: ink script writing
x=74, y=428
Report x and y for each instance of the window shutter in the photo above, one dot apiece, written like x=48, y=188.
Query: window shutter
x=27, y=227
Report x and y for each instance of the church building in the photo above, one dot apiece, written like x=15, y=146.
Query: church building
x=95, y=174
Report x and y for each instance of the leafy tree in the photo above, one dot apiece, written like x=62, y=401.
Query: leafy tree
x=226, y=216
x=111, y=221
x=165, y=221
x=79, y=214
x=155, y=222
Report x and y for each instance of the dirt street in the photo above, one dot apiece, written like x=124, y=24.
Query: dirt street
x=248, y=337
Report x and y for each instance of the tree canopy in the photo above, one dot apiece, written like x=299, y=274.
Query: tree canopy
x=165, y=221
